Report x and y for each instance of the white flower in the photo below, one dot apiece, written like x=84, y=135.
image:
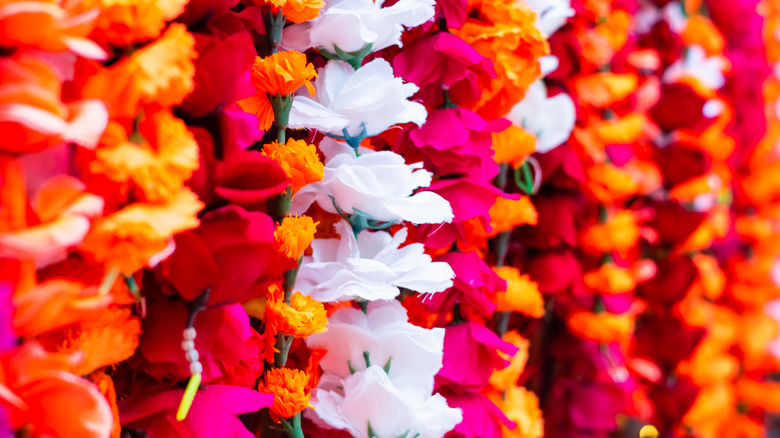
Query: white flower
x=378, y=185
x=370, y=399
x=413, y=354
x=366, y=102
x=551, y=15
x=371, y=267
x=708, y=70
x=352, y=24
x=550, y=119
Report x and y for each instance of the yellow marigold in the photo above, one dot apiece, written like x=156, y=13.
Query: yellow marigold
x=157, y=167
x=279, y=74
x=610, y=279
x=506, y=214
x=123, y=22
x=513, y=145
x=602, y=327
x=506, y=378
x=304, y=316
x=296, y=11
x=522, y=294
x=294, y=235
x=129, y=239
x=299, y=160
x=521, y=406
x=160, y=73
x=622, y=130
x=289, y=389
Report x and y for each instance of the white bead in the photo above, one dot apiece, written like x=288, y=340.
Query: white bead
x=189, y=334
x=187, y=345
x=196, y=368
x=192, y=356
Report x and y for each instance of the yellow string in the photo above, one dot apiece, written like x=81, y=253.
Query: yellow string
x=648, y=432
x=189, y=396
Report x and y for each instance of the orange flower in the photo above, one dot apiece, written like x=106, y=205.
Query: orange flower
x=716, y=225
x=700, y=31
x=602, y=327
x=105, y=339
x=713, y=404
x=121, y=23
x=296, y=11
x=610, y=184
x=513, y=145
x=280, y=74
x=304, y=316
x=289, y=389
x=521, y=406
x=299, y=160
x=106, y=387
x=610, y=279
x=506, y=214
x=48, y=26
x=506, y=378
x=623, y=130
x=129, y=239
x=619, y=233
x=294, y=235
x=32, y=114
x=160, y=73
x=522, y=294
x=156, y=161
x=38, y=390
x=603, y=89
x=765, y=395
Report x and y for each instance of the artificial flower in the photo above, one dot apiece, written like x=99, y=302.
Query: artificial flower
x=369, y=266
x=354, y=104
x=298, y=159
x=289, y=389
x=294, y=11
x=301, y=318
x=551, y=15
x=550, y=119
x=522, y=294
x=360, y=185
x=123, y=23
x=294, y=235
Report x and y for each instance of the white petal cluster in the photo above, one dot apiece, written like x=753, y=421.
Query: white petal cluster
x=550, y=119
x=352, y=24
x=369, y=267
x=696, y=63
x=378, y=363
x=551, y=15
x=359, y=102
x=379, y=185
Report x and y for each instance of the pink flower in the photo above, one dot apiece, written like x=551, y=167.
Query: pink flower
x=450, y=63
x=229, y=348
x=213, y=412
x=470, y=356
x=481, y=418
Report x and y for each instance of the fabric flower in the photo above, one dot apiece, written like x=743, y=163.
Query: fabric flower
x=370, y=266
x=294, y=235
x=298, y=159
x=350, y=25
x=356, y=103
x=301, y=318
x=295, y=11
x=377, y=185
x=551, y=15
x=362, y=407
x=550, y=119
x=384, y=337
x=289, y=389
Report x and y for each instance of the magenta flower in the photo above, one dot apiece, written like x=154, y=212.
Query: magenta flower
x=481, y=418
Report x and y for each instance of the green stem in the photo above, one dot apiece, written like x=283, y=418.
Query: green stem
x=293, y=427
x=281, y=136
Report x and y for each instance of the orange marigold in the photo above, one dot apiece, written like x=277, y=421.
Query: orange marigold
x=299, y=160
x=304, y=316
x=602, y=327
x=513, y=145
x=609, y=183
x=156, y=161
x=129, y=239
x=506, y=378
x=122, y=22
x=619, y=233
x=160, y=73
x=289, y=389
x=294, y=235
x=522, y=294
x=506, y=214
x=603, y=89
x=521, y=406
x=296, y=11
x=610, y=279
x=280, y=74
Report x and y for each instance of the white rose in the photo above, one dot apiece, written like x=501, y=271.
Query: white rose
x=370, y=399
x=352, y=24
x=412, y=354
x=377, y=184
x=364, y=102
x=371, y=267
x=550, y=119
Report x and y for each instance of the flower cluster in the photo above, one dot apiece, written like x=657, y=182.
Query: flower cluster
x=418, y=218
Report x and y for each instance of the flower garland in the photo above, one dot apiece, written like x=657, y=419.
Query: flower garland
x=460, y=218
